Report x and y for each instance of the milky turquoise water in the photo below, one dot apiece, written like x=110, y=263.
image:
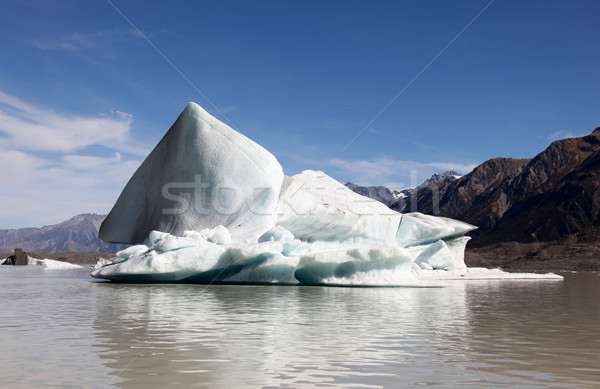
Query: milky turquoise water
x=61, y=328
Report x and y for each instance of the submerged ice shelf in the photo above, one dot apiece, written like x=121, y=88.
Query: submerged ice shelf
x=210, y=205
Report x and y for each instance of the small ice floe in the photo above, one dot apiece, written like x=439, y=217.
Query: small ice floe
x=480, y=273
x=103, y=261
x=53, y=264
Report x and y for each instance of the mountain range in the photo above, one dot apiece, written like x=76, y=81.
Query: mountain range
x=78, y=234
x=542, y=199
x=390, y=196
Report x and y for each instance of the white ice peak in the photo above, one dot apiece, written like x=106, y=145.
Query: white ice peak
x=201, y=174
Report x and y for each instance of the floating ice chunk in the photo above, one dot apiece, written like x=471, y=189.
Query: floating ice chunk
x=276, y=233
x=219, y=235
x=417, y=228
x=132, y=250
x=228, y=214
x=57, y=265
x=167, y=266
x=424, y=265
x=104, y=261
x=155, y=236
x=201, y=235
x=479, y=273
x=436, y=256
x=168, y=242
x=457, y=248
x=182, y=259
x=286, y=262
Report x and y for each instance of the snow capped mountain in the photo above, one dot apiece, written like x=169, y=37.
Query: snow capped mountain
x=436, y=177
x=388, y=196
x=402, y=193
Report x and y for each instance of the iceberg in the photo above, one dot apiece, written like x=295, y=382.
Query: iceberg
x=210, y=205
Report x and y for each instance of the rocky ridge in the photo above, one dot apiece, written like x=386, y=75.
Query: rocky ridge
x=390, y=196
x=78, y=234
x=380, y=193
x=542, y=199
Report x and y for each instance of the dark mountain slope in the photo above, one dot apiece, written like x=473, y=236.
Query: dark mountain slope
x=78, y=234
x=555, y=194
x=379, y=193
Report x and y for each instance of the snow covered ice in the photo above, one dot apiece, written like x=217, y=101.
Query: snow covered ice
x=201, y=174
x=210, y=205
x=53, y=264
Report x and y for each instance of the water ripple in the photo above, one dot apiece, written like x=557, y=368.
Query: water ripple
x=66, y=330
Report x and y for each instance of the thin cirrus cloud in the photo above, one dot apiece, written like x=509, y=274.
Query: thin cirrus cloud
x=46, y=162
x=393, y=172
x=89, y=40
x=562, y=134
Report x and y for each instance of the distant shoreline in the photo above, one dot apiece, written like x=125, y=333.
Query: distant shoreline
x=510, y=256
x=536, y=256
x=77, y=258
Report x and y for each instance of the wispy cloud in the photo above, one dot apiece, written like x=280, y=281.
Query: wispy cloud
x=27, y=127
x=229, y=109
x=96, y=40
x=48, y=171
x=562, y=134
x=392, y=172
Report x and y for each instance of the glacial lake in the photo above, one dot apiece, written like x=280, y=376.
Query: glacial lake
x=61, y=328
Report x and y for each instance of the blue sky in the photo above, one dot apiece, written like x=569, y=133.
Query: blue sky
x=84, y=97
